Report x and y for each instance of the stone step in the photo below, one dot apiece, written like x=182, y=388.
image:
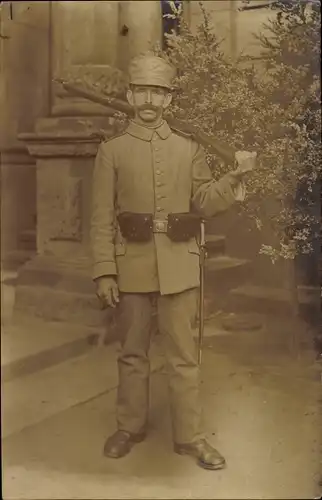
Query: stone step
x=16, y=258
x=272, y=300
x=223, y=263
x=28, y=240
x=223, y=273
x=215, y=244
x=33, y=345
x=29, y=400
x=8, y=279
x=55, y=304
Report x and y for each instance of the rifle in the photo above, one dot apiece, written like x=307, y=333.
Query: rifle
x=223, y=150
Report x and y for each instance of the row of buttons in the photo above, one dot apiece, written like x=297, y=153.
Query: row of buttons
x=159, y=197
x=157, y=159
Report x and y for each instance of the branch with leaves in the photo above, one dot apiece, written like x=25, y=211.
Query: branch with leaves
x=231, y=107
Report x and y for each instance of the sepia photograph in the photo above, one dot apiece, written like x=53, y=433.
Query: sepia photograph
x=161, y=319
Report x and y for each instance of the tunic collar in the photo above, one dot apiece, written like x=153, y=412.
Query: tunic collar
x=146, y=133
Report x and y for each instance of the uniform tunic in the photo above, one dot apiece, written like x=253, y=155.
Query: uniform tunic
x=156, y=171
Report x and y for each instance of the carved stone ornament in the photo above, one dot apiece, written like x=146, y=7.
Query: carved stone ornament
x=67, y=211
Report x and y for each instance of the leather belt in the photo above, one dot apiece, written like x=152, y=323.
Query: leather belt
x=160, y=226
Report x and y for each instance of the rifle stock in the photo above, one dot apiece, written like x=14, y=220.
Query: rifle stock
x=225, y=151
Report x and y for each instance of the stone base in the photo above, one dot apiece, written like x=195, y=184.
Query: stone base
x=60, y=290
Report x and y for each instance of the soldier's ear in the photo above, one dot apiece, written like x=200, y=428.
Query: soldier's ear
x=167, y=100
x=129, y=96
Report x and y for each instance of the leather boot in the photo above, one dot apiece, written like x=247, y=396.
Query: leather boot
x=207, y=456
x=120, y=443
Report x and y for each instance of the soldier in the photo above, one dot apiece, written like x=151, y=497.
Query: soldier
x=148, y=184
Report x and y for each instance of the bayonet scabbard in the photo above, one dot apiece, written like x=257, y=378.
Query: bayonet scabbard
x=202, y=258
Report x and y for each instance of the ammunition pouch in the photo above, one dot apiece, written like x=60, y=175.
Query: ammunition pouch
x=136, y=227
x=139, y=228
x=183, y=227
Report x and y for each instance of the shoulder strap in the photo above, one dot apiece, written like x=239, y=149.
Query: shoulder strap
x=103, y=137
x=110, y=138
x=182, y=133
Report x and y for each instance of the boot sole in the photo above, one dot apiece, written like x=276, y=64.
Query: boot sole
x=110, y=455
x=206, y=466
x=201, y=464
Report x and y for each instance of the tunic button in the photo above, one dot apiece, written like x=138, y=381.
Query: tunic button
x=158, y=172
x=158, y=183
x=159, y=209
x=159, y=196
x=157, y=160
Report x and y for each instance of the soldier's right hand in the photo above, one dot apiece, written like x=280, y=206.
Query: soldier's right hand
x=107, y=291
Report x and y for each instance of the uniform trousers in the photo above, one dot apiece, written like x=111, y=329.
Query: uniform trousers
x=176, y=314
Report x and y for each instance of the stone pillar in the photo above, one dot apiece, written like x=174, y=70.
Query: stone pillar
x=24, y=97
x=86, y=37
x=56, y=285
x=140, y=28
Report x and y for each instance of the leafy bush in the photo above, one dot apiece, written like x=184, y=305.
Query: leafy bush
x=275, y=112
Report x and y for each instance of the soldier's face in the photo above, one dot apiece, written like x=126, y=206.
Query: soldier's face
x=149, y=102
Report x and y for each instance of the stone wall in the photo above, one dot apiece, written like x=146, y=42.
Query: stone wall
x=25, y=67
x=18, y=199
x=234, y=27
x=24, y=97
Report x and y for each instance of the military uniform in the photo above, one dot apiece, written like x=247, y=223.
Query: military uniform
x=155, y=171
x=152, y=171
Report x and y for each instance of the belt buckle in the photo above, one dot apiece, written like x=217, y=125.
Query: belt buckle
x=160, y=226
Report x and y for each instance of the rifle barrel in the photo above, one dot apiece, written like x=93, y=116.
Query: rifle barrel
x=225, y=151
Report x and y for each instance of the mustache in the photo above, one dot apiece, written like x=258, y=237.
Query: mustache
x=148, y=107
